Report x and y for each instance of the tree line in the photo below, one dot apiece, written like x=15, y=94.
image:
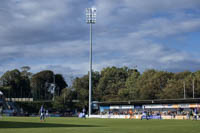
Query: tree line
x=110, y=84
x=23, y=84
x=126, y=84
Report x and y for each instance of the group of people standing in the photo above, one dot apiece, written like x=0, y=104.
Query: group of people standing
x=82, y=114
x=43, y=113
x=193, y=114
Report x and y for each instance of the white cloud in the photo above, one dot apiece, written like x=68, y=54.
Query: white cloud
x=54, y=35
x=162, y=27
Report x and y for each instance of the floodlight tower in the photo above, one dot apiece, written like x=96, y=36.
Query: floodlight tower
x=90, y=19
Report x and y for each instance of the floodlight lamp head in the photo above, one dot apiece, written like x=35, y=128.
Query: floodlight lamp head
x=91, y=15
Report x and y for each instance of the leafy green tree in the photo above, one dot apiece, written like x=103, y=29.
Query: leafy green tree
x=181, y=75
x=41, y=81
x=188, y=81
x=25, y=71
x=112, y=80
x=39, y=84
x=81, y=86
x=175, y=86
x=25, y=87
x=14, y=84
x=152, y=83
x=131, y=92
x=196, y=78
x=60, y=83
x=64, y=102
x=173, y=90
x=26, y=76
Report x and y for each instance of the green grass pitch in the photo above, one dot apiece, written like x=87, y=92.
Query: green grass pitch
x=77, y=125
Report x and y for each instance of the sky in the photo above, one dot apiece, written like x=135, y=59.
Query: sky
x=54, y=35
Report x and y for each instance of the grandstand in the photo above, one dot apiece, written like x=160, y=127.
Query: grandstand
x=9, y=108
x=167, y=108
